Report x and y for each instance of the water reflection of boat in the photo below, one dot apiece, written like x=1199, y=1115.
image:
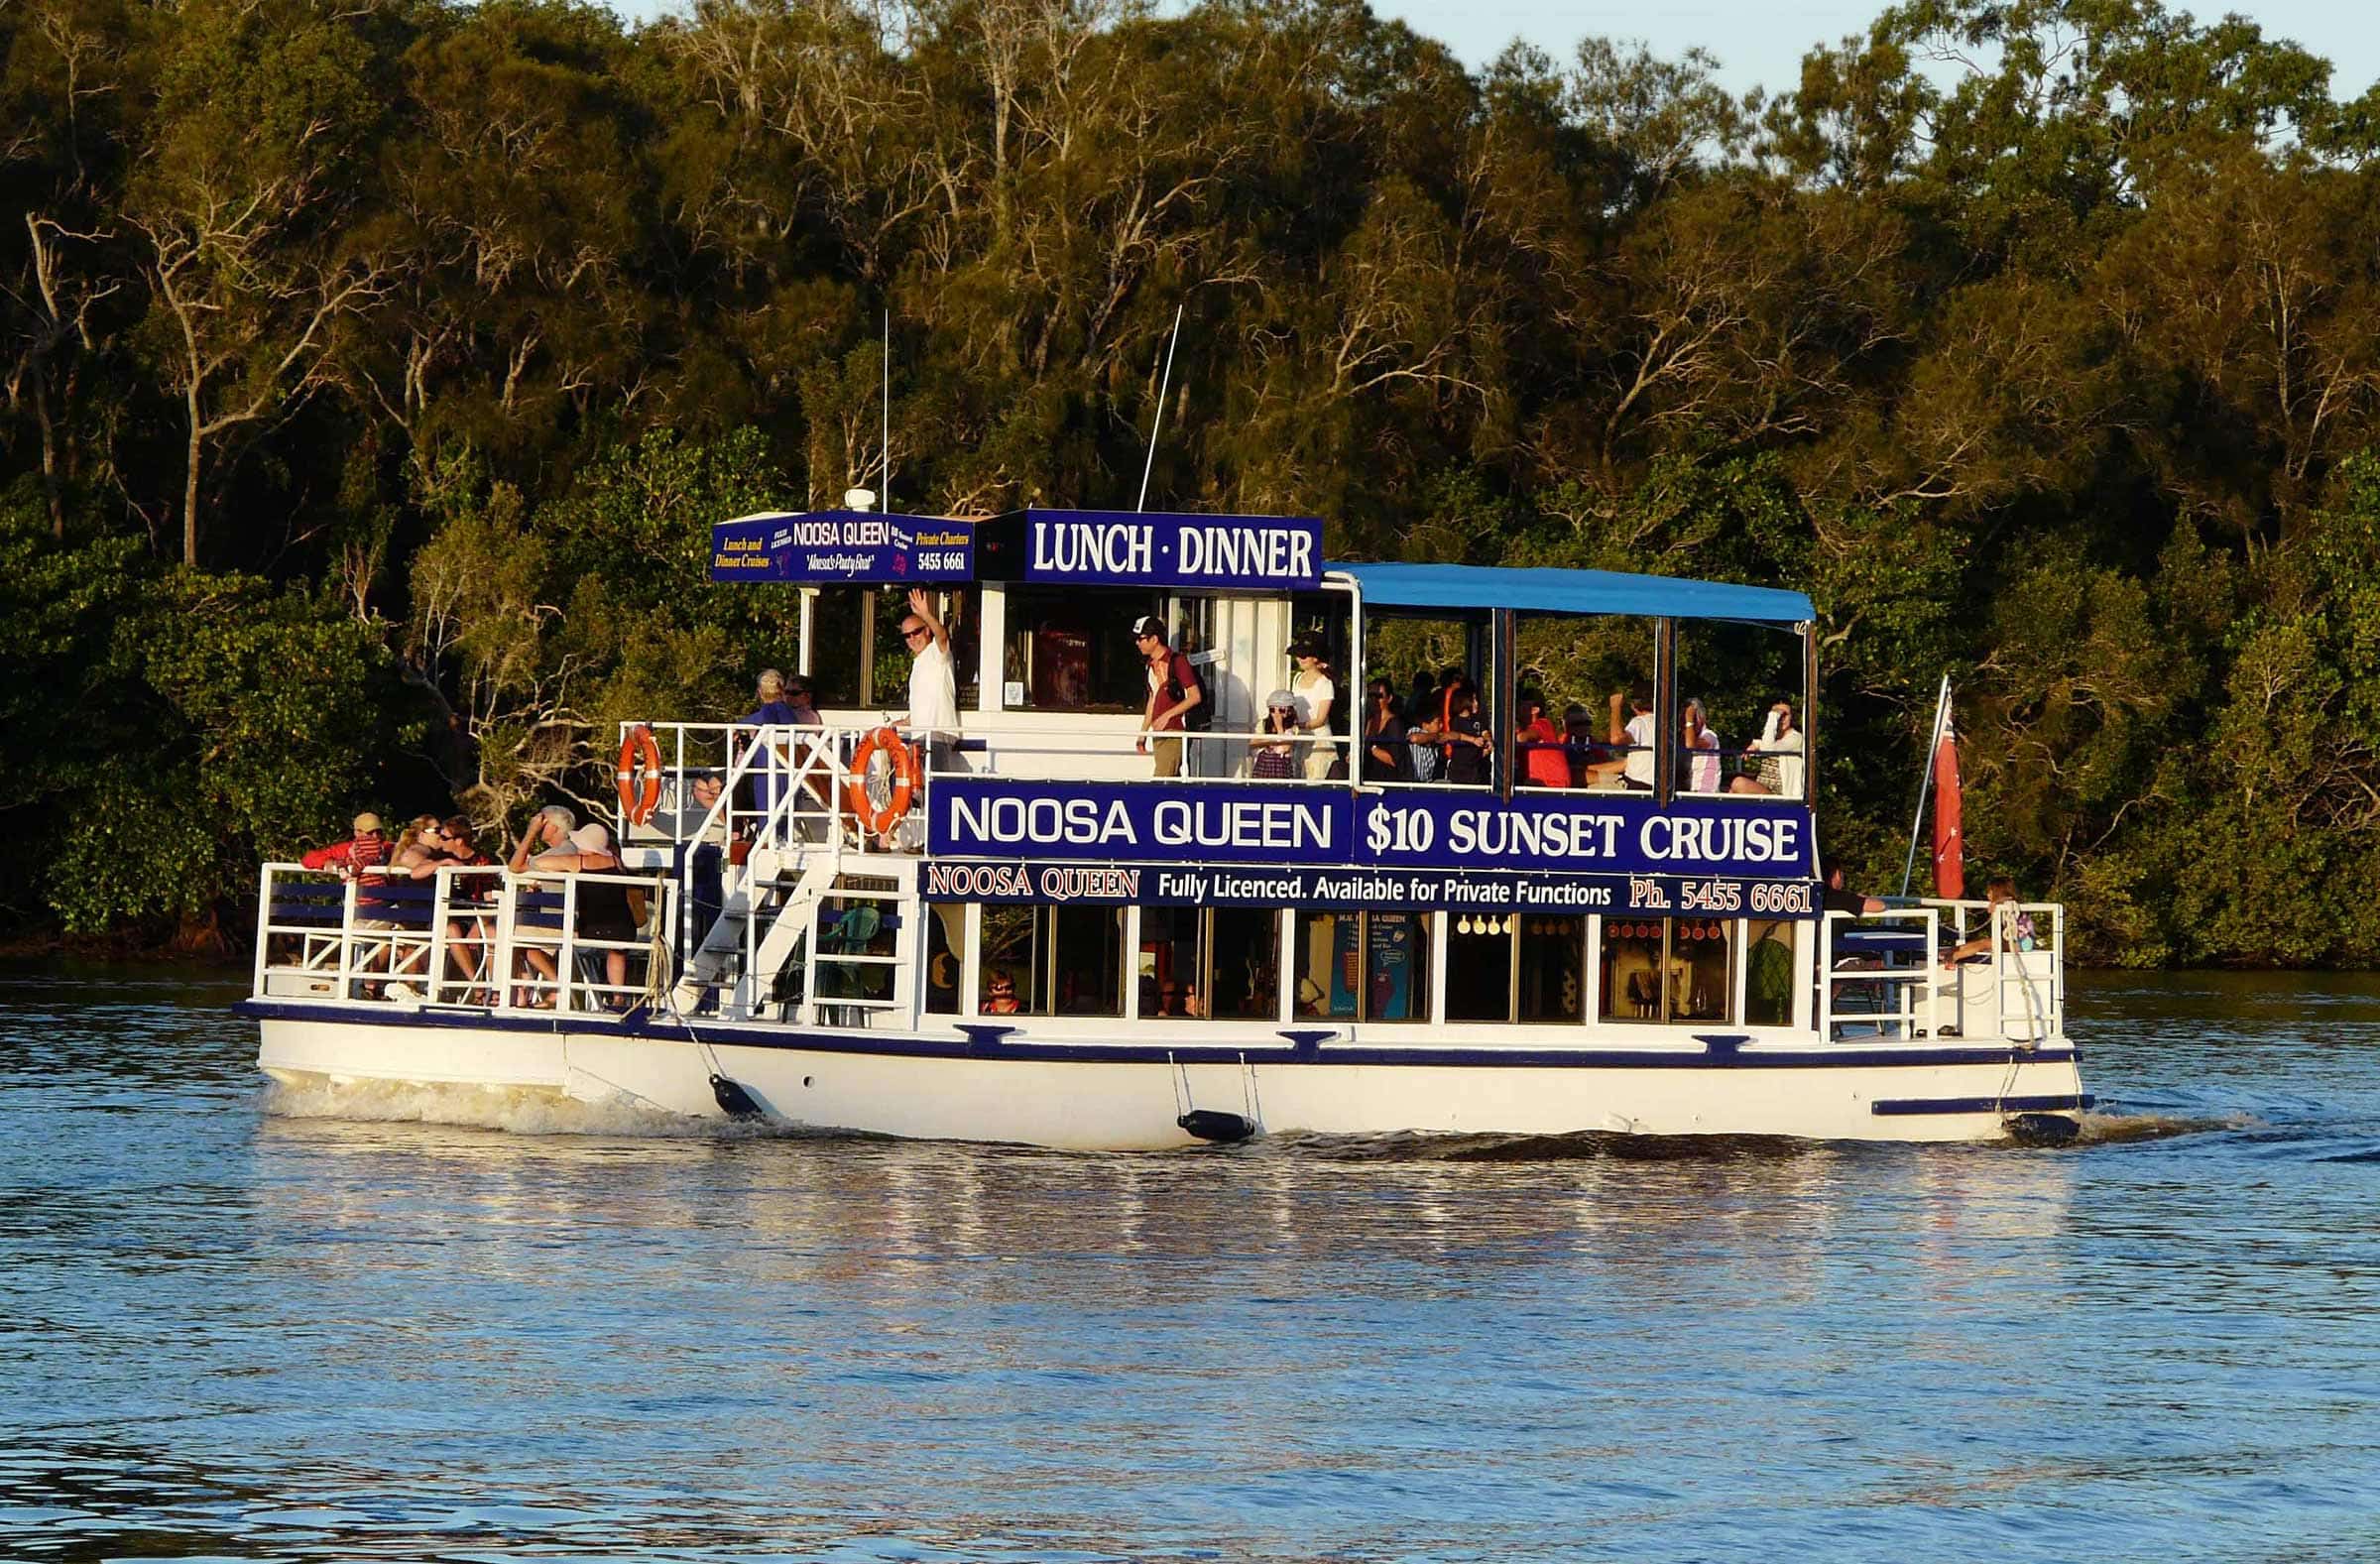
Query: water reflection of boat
x=1019, y=933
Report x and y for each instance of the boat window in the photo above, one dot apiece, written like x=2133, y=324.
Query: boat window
x=1070, y=648
x=1368, y=965
x=1736, y=676
x=1052, y=961
x=945, y=956
x=1768, y=973
x=1633, y=988
x=1668, y=970
x=1575, y=664
x=1479, y=967
x=1421, y=656
x=840, y=627
x=1215, y=962
x=1553, y=969
x=1515, y=968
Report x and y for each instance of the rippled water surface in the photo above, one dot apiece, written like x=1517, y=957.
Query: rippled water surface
x=230, y=1328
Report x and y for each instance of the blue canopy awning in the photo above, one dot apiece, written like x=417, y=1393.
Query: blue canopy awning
x=1455, y=588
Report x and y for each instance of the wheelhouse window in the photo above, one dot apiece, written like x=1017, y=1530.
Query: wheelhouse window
x=1052, y=961
x=857, y=659
x=1371, y=966
x=1070, y=648
x=1668, y=970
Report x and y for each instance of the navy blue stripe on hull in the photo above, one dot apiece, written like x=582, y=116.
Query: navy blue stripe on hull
x=1894, y=1108
x=1861, y=1055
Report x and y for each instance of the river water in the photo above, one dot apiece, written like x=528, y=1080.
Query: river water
x=233, y=1327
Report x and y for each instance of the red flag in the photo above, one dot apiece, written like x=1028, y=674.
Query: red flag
x=1950, y=862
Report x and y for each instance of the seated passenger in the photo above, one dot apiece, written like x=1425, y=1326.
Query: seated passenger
x=1273, y=751
x=999, y=995
x=1702, y=749
x=1544, y=762
x=1463, y=739
x=366, y=848
x=1998, y=906
x=1779, y=748
x=1632, y=765
x=1580, y=748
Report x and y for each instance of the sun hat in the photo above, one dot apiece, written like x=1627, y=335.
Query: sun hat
x=591, y=838
x=1280, y=700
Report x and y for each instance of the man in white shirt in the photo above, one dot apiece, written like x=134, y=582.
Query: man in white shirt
x=933, y=687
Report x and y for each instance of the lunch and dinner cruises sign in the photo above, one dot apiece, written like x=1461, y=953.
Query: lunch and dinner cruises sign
x=828, y=548
x=1244, y=845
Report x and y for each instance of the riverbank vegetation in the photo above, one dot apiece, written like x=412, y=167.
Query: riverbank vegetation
x=372, y=373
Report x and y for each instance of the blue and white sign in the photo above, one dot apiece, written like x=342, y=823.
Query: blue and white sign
x=1267, y=554
x=1453, y=890
x=1110, y=822
x=829, y=548
x=1407, y=829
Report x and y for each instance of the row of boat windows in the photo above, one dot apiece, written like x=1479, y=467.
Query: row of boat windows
x=1227, y=963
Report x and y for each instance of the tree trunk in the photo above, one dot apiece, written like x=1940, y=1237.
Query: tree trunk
x=190, y=486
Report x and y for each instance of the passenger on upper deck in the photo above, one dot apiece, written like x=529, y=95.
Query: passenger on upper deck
x=933, y=684
x=1580, y=747
x=1317, y=693
x=1173, y=690
x=1542, y=761
x=1634, y=770
x=1273, y=751
x=1702, y=749
x=1780, y=749
x=1464, y=738
x=367, y=848
x=1386, y=755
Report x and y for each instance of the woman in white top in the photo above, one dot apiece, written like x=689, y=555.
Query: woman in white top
x=1701, y=750
x=1780, y=749
x=1315, y=693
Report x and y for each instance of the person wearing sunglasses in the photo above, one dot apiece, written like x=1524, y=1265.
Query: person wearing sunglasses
x=1000, y=996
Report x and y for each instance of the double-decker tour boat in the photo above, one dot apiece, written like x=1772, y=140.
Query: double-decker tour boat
x=1495, y=852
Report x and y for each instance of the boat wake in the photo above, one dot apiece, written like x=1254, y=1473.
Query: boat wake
x=2115, y=1128
x=520, y=1110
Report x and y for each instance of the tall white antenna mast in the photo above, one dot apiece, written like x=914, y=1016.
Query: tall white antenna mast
x=887, y=410
x=1165, y=385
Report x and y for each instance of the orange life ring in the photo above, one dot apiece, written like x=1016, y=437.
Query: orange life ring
x=887, y=742
x=639, y=774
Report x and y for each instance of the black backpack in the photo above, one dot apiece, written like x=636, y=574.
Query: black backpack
x=1201, y=717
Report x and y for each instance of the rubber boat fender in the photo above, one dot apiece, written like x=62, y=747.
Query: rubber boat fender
x=1211, y=1124
x=2043, y=1129
x=734, y=1101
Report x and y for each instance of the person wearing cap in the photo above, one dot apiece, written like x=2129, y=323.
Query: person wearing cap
x=1273, y=751
x=1173, y=690
x=1316, y=695
x=366, y=848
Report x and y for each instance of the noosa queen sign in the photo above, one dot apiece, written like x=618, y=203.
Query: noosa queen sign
x=1548, y=831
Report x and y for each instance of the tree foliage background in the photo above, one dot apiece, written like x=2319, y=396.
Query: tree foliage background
x=368, y=375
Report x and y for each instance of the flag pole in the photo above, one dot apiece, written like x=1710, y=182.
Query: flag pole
x=1924, y=781
x=1159, y=423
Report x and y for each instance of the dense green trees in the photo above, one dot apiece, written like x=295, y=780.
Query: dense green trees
x=370, y=372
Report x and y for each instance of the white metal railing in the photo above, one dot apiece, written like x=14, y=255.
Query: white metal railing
x=1877, y=978
x=2026, y=988
x=478, y=937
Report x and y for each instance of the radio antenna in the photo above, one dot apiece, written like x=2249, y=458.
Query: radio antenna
x=1163, y=385
x=887, y=410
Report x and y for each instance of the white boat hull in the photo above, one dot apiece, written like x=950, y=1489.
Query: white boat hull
x=1060, y=1092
